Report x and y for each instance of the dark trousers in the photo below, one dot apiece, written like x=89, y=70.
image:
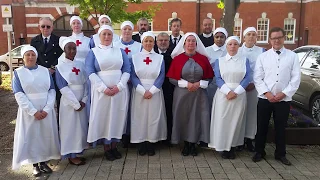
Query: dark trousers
x=280, y=111
x=168, y=98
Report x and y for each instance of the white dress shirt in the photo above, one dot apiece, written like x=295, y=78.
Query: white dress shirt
x=277, y=73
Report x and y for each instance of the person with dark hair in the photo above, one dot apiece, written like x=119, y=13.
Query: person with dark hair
x=143, y=26
x=276, y=78
x=207, y=36
x=175, y=27
x=71, y=80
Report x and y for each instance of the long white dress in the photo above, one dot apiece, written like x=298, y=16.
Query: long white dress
x=250, y=122
x=227, y=115
x=108, y=113
x=148, y=118
x=35, y=140
x=73, y=124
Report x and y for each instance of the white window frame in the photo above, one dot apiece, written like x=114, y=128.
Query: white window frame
x=290, y=21
x=264, y=31
x=213, y=24
x=169, y=20
x=238, y=20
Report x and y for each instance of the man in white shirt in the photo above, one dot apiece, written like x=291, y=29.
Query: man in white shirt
x=175, y=27
x=276, y=77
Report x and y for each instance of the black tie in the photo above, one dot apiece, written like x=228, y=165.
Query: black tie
x=163, y=53
x=45, y=43
x=278, y=52
x=175, y=41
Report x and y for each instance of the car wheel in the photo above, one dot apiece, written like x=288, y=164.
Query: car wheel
x=4, y=66
x=315, y=108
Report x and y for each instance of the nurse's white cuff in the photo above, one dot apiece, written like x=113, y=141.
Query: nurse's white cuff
x=182, y=83
x=239, y=90
x=154, y=90
x=140, y=89
x=120, y=86
x=204, y=84
x=225, y=89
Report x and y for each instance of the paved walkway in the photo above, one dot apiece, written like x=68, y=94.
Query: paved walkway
x=169, y=164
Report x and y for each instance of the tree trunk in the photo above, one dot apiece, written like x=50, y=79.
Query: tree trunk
x=229, y=13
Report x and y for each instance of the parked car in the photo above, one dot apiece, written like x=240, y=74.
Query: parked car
x=308, y=94
x=16, y=59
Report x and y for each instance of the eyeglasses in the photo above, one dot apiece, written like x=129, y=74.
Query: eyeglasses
x=45, y=26
x=276, y=38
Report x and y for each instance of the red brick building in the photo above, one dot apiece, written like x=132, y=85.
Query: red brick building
x=298, y=17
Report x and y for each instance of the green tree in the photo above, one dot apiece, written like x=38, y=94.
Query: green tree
x=116, y=9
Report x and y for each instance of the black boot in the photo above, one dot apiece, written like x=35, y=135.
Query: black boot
x=186, y=149
x=142, y=149
x=232, y=154
x=193, y=149
x=150, y=149
x=249, y=145
x=225, y=155
x=109, y=155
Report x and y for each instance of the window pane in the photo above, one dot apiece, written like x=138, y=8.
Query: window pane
x=313, y=60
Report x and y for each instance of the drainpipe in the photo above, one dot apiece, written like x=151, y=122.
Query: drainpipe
x=198, y=17
x=300, y=20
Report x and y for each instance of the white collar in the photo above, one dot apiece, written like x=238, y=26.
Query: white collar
x=48, y=38
x=281, y=50
x=207, y=35
x=80, y=35
x=66, y=60
x=105, y=47
x=147, y=52
x=217, y=48
x=247, y=48
x=160, y=51
x=172, y=37
x=235, y=57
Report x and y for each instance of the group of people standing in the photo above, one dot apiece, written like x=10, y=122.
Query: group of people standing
x=144, y=89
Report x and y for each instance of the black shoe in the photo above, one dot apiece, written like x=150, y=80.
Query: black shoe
x=193, y=149
x=36, y=171
x=258, y=157
x=109, y=156
x=150, y=149
x=225, y=155
x=82, y=159
x=249, y=145
x=186, y=149
x=142, y=149
x=116, y=153
x=232, y=154
x=203, y=144
x=283, y=160
x=45, y=168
